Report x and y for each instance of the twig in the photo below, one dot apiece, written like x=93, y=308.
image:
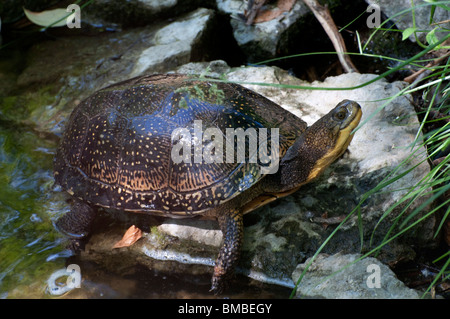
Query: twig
x=440, y=22
x=324, y=17
x=415, y=75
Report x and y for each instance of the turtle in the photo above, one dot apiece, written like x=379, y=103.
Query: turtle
x=159, y=144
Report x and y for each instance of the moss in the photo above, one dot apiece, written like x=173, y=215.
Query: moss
x=159, y=236
x=198, y=92
x=19, y=108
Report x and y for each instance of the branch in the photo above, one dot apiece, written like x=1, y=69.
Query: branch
x=324, y=17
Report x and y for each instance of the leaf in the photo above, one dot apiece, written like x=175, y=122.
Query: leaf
x=407, y=32
x=49, y=18
x=267, y=15
x=285, y=5
x=132, y=235
x=432, y=38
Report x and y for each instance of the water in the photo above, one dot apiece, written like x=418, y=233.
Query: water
x=27, y=237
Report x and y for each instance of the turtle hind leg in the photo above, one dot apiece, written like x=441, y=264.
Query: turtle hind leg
x=232, y=227
x=76, y=224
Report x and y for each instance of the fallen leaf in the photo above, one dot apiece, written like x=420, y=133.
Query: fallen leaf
x=267, y=15
x=47, y=18
x=131, y=236
x=285, y=5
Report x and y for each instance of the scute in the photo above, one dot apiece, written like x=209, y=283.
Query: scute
x=116, y=151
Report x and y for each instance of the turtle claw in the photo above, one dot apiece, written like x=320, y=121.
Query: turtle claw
x=219, y=280
x=216, y=289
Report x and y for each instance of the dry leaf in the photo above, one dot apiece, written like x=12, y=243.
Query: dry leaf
x=46, y=18
x=286, y=5
x=131, y=236
x=267, y=15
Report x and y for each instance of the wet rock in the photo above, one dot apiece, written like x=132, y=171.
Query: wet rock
x=341, y=276
x=203, y=232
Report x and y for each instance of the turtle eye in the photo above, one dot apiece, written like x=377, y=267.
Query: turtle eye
x=341, y=114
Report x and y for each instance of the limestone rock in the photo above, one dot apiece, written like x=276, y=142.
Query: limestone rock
x=343, y=277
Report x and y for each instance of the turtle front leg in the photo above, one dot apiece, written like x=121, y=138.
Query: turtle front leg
x=76, y=224
x=231, y=224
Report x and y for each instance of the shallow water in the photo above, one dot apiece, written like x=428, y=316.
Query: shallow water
x=27, y=237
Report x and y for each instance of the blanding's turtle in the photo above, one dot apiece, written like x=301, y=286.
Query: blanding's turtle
x=178, y=147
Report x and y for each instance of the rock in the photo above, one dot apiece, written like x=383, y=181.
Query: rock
x=215, y=69
x=422, y=14
x=174, y=44
x=202, y=232
x=343, y=277
x=260, y=41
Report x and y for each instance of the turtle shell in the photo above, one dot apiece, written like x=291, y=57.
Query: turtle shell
x=117, y=149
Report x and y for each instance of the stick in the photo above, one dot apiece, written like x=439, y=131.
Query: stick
x=411, y=78
x=324, y=17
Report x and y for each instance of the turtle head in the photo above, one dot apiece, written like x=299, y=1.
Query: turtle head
x=320, y=145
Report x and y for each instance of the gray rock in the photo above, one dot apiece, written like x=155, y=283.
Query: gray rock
x=260, y=41
x=173, y=43
x=346, y=277
x=202, y=232
x=215, y=69
x=422, y=14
